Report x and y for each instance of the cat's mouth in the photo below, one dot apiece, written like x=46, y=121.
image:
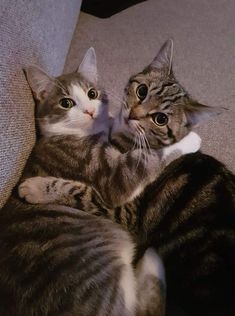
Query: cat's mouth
x=90, y=113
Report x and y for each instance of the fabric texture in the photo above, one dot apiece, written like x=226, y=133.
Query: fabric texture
x=204, y=56
x=37, y=32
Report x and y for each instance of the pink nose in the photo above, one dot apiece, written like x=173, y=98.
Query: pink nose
x=89, y=112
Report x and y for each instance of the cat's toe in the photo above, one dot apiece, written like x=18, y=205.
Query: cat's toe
x=29, y=192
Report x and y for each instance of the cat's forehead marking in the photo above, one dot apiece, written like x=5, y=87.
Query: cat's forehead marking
x=77, y=92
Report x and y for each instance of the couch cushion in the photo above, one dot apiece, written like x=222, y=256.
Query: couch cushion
x=36, y=32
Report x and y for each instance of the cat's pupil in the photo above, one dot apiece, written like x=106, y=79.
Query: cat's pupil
x=92, y=93
x=142, y=91
x=67, y=103
x=160, y=118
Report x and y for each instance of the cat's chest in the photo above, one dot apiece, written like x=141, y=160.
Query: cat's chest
x=69, y=158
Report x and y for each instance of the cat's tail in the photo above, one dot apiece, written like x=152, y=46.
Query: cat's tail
x=151, y=285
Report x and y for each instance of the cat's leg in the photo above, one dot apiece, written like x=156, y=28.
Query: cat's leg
x=151, y=286
x=45, y=190
x=51, y=190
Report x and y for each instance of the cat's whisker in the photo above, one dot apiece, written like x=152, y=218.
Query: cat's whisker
x=135, y=143
x=147, y=143
x=142, y=132
x=144, y=151
x=139, y=150
x=145, y=147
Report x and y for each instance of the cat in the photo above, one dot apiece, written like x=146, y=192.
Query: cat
x=187, y=214
x=116, y=176
x=56, y=260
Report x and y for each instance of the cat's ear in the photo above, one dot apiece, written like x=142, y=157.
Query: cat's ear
x=40, y=83
x=164, y=57
x=88, y=66
x=196, y=112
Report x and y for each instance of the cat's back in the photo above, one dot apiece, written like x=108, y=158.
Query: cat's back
x=189, y=217
x=60, y=261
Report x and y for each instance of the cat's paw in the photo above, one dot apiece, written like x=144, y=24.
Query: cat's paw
x=34, y=190
x=190, y=143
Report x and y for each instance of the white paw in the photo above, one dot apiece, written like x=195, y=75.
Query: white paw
x=33, y=190
x=152, y=264
x=190, y=143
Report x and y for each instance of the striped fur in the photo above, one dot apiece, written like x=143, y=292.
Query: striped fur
x=57, y=260
x=187, y=214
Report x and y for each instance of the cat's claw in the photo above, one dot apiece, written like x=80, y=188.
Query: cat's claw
x=33, y=190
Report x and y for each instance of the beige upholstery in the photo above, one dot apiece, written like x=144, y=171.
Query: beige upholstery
x=36, y=32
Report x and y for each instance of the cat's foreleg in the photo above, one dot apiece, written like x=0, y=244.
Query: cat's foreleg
x=45, y=190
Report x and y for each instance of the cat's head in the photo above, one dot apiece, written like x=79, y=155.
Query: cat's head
x=71, y=104
x=157, y=106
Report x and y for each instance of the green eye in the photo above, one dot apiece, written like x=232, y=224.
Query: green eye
x=160, y=119
x=142, y=91
x=92, y=93
x=67, y=103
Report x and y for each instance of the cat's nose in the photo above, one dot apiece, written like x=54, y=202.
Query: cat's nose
x=90, y=112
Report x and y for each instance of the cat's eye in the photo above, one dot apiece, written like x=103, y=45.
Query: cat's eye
x=92, y=94
x=160, y=119
x=142, y=91
x=67, y=103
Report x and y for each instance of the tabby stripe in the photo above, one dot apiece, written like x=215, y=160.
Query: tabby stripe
x=29, y=215
x=174, y=97
x=170, y=134
x=186, y=196
x=75, y=188
x=90, y=267
x=161, y=90
x=128, y=215
x=54, y=183
x=98, y=203
x=118, y=215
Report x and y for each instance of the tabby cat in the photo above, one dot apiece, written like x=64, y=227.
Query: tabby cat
x=187, y=214
x=56, y=260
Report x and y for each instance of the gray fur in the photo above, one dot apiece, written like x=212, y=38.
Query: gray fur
x=57, y=260
x=167, y=96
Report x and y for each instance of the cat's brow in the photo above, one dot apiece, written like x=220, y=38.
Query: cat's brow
x=165, y=105
x=134, y=80
x=161, y=89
